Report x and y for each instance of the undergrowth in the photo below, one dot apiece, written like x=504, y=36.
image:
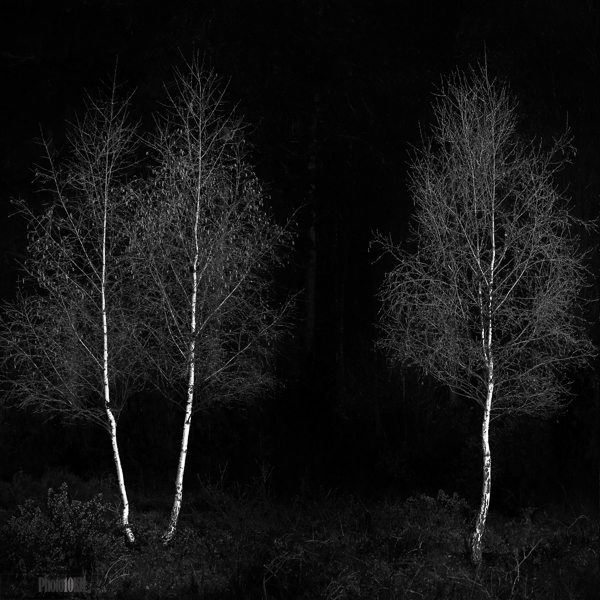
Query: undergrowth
x=60, y=536
x=241, y=544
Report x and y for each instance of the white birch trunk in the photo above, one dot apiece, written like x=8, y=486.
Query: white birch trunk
x=189, y=405
x=476, y=542
x=487, y=338
x=120, y=478
x=109, y=414
x=172, y=527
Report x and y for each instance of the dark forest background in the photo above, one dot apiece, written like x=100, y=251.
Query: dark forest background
x=335, y=94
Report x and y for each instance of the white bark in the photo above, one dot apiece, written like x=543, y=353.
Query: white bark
x=189, y=405
x=120, y=477
x=172, y=527
x=203, y=239
x=494, y=317
x=476, y=542
x=109, y=414
x=486, y=307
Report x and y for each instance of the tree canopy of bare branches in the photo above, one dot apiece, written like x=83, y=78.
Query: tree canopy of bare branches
x=489, y=303
x=207, y=249
x=68, y=339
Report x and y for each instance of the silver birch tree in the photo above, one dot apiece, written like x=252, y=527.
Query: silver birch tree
x=487, y=305
x=207, y=245
x=68, y=337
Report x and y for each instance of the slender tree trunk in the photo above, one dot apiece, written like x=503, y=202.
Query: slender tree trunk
x=172, y=527
x=120, y=477
x=476, y=542
x=168, y=536
x=311, y=268
x=405, y=407
x=487, y=337
x=189, y=405
x=340, y=285
x=109, y=414
x=310, y=287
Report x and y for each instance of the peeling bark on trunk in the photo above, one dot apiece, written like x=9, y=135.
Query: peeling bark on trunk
x=168, y=536
x=487, y=337
x=105, y=381
x=189, y=405
x=170, y=533
x=476, y=542
x=120, y=477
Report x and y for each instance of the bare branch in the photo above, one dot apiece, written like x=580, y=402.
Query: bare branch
x=67, y=339
x=495, y=243
x=488, y=305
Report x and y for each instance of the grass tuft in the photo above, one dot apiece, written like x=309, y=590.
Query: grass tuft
x=243, y=544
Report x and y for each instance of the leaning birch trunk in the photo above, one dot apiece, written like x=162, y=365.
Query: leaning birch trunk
x=476, y=542
x=120, y=477
x=203, y=239
x=168, y=536
x=105, y=381
x=189, y=405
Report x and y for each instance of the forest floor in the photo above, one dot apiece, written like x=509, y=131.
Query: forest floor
x=243, y=544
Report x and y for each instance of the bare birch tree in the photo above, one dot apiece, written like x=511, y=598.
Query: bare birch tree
x=207, y=245
x=68, y=337
x=488, y=303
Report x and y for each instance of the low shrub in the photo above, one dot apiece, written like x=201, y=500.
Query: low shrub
x=69, y=536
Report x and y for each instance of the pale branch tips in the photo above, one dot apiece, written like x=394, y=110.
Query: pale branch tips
x=206, y=250
x=67, y=336
x=163, y=279
x=489, y=304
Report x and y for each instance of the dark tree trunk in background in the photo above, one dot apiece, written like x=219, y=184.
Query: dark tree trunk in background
x=340, y=266
x=311, y=263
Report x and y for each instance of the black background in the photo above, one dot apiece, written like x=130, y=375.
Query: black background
x=370, y=68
